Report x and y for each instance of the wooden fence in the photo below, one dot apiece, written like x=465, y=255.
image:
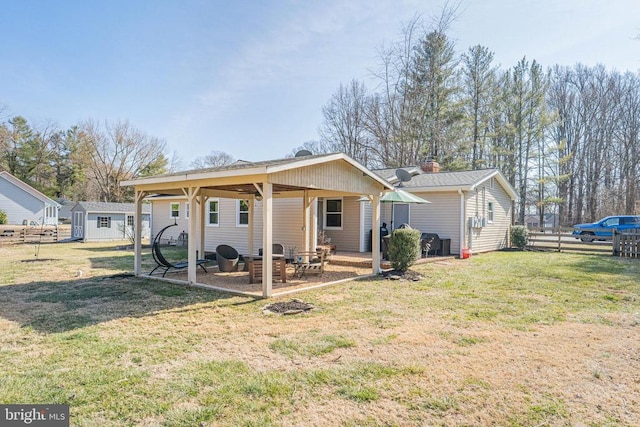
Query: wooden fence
x=562, y=240
x=61, y=232
x=623, y=244
x=626, y=244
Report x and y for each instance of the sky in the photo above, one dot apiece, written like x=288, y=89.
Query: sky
x=250, y=78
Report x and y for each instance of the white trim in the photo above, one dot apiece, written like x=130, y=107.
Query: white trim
x=208, y=222
x=324, y=214
x=171, y=210
x=186, y=210
x=238, y=212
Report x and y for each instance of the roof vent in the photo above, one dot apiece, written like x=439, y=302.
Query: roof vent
x=303, y=153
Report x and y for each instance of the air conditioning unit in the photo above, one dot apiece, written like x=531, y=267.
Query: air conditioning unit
x=478, y=222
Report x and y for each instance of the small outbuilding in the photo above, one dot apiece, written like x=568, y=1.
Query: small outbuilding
x=96, y=221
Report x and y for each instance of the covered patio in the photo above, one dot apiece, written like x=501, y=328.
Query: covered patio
x=305, y=177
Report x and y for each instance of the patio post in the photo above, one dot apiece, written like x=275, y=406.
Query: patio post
x=306, y=213
x=201, y=222
x=192, y=193
x=137, y=230
x=267, y=239
x=375, y=235
x=250, y=234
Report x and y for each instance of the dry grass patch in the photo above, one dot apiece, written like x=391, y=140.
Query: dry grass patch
x=500, y=339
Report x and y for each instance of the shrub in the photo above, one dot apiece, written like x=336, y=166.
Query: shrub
x=3, y=217
x=519, y=236
x=404, y=248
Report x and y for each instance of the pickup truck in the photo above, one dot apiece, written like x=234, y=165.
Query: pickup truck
x=603, y=229
x=27, y=227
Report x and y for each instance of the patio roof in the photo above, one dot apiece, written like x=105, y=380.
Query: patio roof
x=306, y=177
x=322, y=175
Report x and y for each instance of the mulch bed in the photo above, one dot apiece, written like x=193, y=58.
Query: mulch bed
x=294, y=306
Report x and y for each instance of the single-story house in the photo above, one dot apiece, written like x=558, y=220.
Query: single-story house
x=21, y=201
x=245, y=203
x=468, y=209
x=550, y=220
x=95, y=221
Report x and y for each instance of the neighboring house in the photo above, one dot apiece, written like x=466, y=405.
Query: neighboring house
x=20, y=201
x=550, y=220
x=94, y=221
x=472, y=208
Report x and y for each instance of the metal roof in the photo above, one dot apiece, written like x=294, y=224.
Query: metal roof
x=107, y=207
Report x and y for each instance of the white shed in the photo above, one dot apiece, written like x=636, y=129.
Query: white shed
x=95, y=221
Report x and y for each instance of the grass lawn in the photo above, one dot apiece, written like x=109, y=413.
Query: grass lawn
x=507, y=338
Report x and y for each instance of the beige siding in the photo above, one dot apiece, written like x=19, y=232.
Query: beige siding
x=347, y=239
x=287, y=224
x=161, y=217
x=441, y=216
x=493, y=235
x=335, y=176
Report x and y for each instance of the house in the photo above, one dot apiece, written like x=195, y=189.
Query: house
x=245, y=202
x=472, y=208
x=95, y=221
x=22, y=202
x=468, y=209
x=550, y=220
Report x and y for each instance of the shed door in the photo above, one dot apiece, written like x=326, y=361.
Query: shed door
x=78, y=224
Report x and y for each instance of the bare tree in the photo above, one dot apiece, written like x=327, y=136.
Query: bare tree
x=117, y=152
x=314, y=147
x=343, y=128
x=212, y=160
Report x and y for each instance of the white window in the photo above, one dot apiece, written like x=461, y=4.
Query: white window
x=130, y=220
x=243, y=213
x=174, y=210
x=213, y=212
x=490, y=212
x=333, y=214
x=186, y=211
x=104, y=222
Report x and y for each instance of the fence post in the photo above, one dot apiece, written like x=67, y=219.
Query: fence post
x=616, y=243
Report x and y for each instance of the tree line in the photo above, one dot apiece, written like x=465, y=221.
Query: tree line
x=566, y=138
x=85, y=162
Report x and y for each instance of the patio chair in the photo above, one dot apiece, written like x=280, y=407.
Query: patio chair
x=310, y=263
x=276, y=249
x=163, y=263
x=227, y=258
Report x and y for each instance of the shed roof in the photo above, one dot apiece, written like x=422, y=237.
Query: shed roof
x=107, y=207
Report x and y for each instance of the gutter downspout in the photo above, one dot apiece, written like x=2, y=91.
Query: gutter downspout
x=462, y=225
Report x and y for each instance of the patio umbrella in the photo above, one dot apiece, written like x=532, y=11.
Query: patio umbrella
x=397, y=196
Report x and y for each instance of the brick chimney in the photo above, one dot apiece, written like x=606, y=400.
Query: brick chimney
x=430, y=166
